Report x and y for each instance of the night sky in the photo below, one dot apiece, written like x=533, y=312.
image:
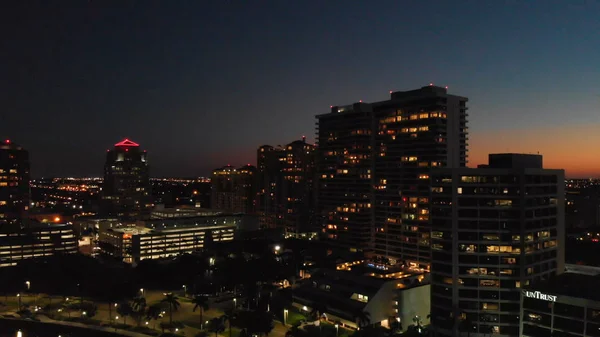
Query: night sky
x=201, y=84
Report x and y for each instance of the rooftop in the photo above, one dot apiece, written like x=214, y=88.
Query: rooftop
x=127, y=143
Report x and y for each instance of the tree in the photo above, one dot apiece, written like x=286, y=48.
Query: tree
x=261, y=323
x=173, y=302
x=318, y=309
x=153, y=313
x=200, y=303
x=124, y=309
x=139, y=308
x=216, y=325
x=363, y=318
x=229, y=316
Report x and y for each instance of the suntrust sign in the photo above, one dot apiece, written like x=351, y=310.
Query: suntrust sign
x=539, y=296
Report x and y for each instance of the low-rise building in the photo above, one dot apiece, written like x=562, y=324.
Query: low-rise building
x=385, y=294
x=566, y=305
x=36, y=240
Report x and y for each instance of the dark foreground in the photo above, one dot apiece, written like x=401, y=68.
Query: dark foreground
x=10, y=327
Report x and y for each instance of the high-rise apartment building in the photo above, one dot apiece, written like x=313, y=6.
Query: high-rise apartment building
x=126, y=189
x=373, y=168
x=495, y=230
x=234, y=190
x=286, y=193
x=14, y=184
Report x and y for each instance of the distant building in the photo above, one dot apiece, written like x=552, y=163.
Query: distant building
x=387, y=296
x=567, y=305
x=168, y=237
x=126, y=189
x=35, y=241
x=14, y=184
x=234, y=189
x=286, y=187
x=495, y=230
x=373, y=168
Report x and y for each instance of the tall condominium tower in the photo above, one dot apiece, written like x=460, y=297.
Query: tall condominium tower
x=373, y=168
x=14, y=184
x=495, y=229
x=286, y=193
x=126, y=190
x=234, y=190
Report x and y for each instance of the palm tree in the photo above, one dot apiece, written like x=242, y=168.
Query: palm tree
x=139, y=307
x=363, y=318
x=228, y=316
x=216, y=325
x=154, y=312
x=124, y=309
x=173, y=302
x=201, y=303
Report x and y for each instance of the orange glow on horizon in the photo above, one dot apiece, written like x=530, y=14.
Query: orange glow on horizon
x=568, y=147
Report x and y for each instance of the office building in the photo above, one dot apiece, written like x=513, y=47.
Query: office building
x=496, y=230
x=126, y=188
x=14, y=184
x=168, y=237
x=567, y=305
x=234, y=189
x=286, y=193
x=373, y=163
x=35, y=241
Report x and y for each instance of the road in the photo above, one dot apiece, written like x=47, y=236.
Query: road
x=185, y=314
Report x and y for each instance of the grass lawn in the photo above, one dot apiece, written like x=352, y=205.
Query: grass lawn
x=294, y=317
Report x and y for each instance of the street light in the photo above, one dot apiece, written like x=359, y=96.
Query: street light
x=184, y=290
x=142, y=291
x=337, y=328
x=28, y=284
x=19, y=297
x=285, y=314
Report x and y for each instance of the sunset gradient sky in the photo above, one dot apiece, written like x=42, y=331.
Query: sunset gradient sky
x=201, y=84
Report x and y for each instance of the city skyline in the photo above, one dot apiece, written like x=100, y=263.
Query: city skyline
x=205, y=93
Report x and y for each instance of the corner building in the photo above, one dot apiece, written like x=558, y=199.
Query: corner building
x=126, y=189
x=14, y=184
x=496, y=229
x=374, y=162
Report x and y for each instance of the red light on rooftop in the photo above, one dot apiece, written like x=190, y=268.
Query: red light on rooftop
x=331, y=106
x=391, y=91
x=430, y=84
x=360, y=101
x=127, y=142
x=446, y=87
x=7, y=141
